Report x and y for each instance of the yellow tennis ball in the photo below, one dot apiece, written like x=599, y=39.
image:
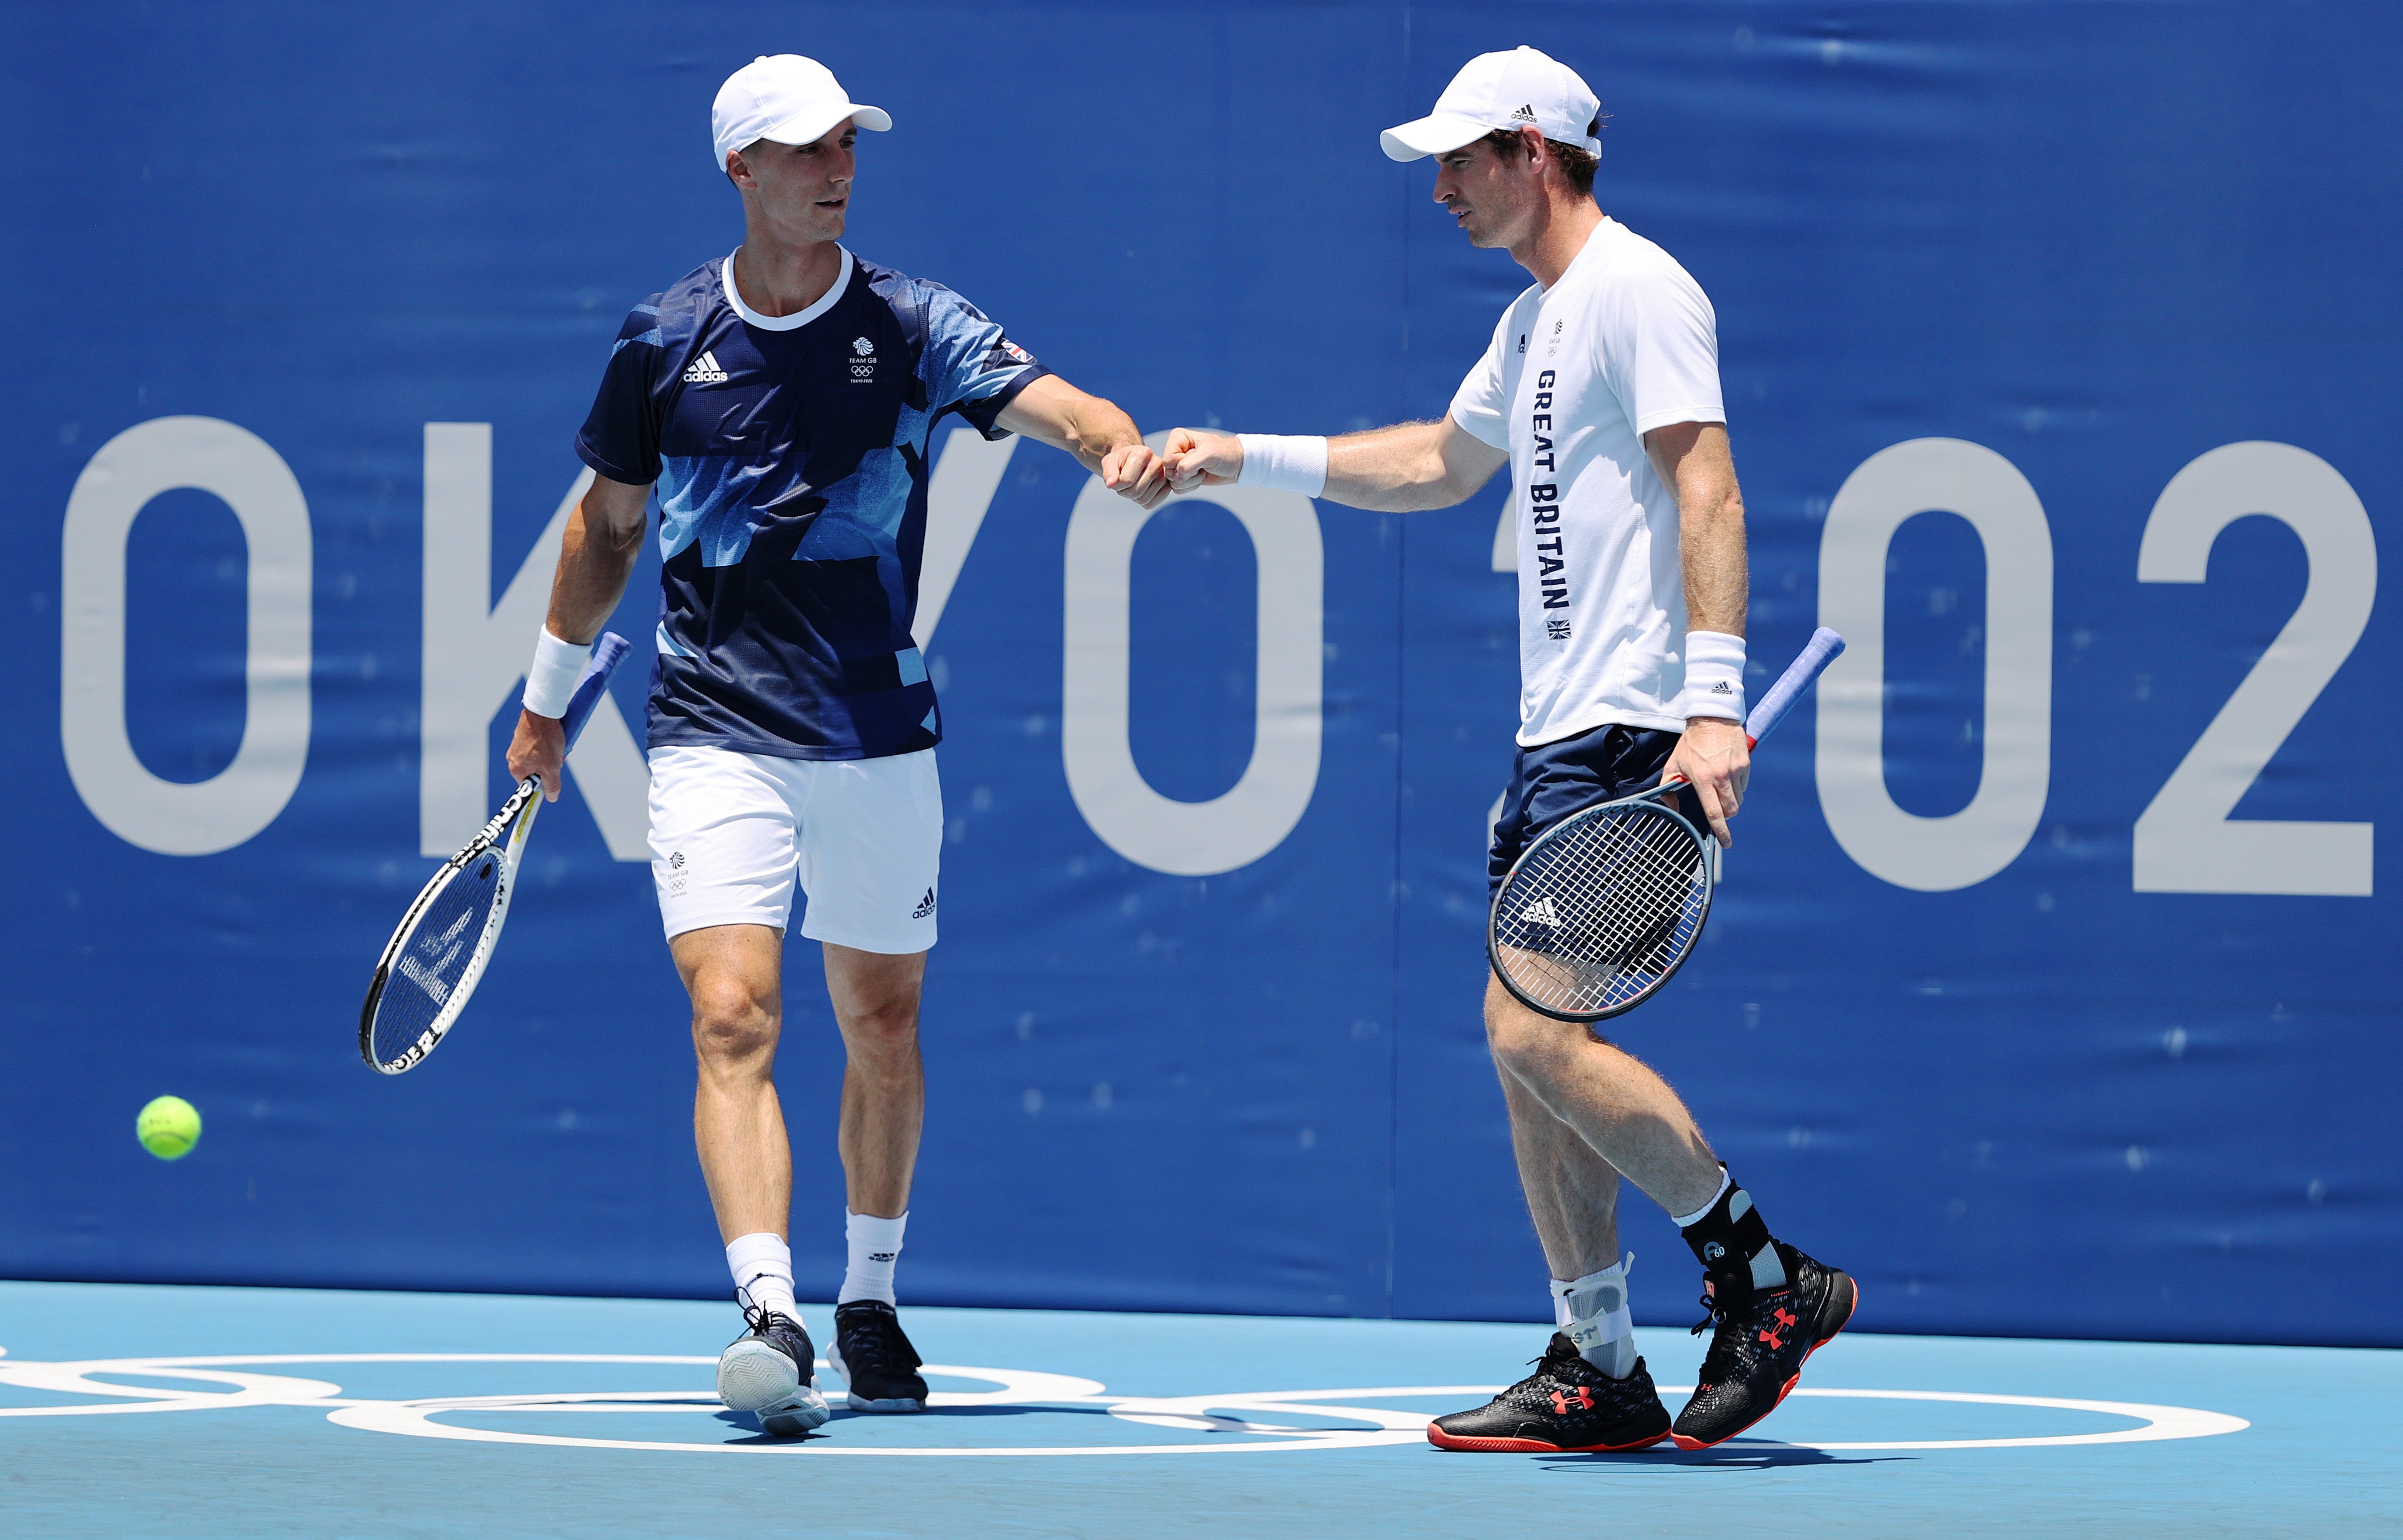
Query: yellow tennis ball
x=168, y=1128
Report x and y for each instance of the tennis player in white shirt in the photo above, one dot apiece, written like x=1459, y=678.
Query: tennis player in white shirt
x=1600, y=390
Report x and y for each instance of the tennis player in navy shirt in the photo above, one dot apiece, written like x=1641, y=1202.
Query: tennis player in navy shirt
x=778, y=403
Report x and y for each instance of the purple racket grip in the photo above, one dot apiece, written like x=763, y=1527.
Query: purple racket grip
x=1824, y=646
x=606, y=656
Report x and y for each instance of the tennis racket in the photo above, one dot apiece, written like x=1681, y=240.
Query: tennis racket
x=433, y=961
x=1605, y=907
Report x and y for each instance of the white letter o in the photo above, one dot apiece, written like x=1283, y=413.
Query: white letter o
x=1961, y=849
x=1253, y=817
x=171, y=817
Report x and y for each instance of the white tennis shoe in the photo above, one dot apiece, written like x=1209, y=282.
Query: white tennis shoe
x=769, y=1371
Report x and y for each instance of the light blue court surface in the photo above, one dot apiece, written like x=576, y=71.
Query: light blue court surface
x=132, y=1411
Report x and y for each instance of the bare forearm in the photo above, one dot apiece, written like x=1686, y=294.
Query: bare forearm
x=595, y=560
x=1104, y=439
x=1694, y=461
x=1712, y=755
x=1052, y=412
x=1400, y=469
x=1092, y=428
x=1390, y=470
x=1718, y=578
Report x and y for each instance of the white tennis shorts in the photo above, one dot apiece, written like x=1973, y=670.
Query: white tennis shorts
x=732, y=832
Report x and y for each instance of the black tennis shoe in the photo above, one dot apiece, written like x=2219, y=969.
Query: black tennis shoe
x=769, y=1371
x=1759, y=1339
x=1567, y=1406
x=874, y=1356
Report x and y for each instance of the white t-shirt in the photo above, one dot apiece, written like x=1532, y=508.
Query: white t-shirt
x=1577, y=375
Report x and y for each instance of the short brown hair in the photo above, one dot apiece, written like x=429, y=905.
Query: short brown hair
x=1576, y=164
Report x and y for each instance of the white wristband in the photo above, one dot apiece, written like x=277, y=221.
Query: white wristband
x=1287, y=462
x=552, y=677
x=1713, y=675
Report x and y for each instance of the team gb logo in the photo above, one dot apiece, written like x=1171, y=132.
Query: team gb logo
x=862, y=346
x=863, y=368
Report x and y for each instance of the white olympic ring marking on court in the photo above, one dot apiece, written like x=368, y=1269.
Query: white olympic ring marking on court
x=417, y=1417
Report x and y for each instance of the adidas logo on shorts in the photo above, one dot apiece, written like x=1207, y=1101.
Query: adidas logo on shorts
x=926, y=906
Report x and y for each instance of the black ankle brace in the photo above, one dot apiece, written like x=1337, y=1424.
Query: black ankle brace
x=1726, y=1241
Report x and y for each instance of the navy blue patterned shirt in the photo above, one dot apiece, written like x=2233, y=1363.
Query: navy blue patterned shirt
x=789, y=454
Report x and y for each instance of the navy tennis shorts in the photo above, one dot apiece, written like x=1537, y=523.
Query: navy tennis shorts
x=1551, y=781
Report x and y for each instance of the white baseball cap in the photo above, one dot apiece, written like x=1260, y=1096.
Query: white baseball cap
x=785, y=97
x=1510, y=91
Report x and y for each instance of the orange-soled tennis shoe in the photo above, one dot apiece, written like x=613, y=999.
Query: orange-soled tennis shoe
x=1566, y=1407
x=1758, y=1346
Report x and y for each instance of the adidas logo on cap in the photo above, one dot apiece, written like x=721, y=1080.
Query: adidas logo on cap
x=705, y=371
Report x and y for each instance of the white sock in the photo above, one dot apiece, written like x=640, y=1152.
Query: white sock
x=762, y=1266
x=1593, y=1313
x=1682, y=1220
x=875, y=1243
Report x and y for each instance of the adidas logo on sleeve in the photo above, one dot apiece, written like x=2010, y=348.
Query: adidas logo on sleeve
x=705, y=371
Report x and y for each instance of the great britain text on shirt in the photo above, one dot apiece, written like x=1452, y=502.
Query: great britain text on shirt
x=1544, y=511
x=1576, y=375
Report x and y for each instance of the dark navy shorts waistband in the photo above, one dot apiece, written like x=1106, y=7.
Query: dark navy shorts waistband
x=1551, y=781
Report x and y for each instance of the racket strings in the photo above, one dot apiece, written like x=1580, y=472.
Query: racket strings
x=1603, y=911
x=430, y=966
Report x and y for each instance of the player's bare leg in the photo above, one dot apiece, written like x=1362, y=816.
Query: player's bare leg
x=1573, y=1197
x=735, y=976
x=1571, y=1192
x=875, y=998
x=1589, y=1391
x=1615, y=1102
x=1771, y=1304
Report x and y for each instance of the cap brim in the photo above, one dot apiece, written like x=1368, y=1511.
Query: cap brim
x=811, y=127
x=1437, y=134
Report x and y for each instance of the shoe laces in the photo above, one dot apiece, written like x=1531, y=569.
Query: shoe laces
x=1713, y=1362
x=1554, y=1365
x=1714, y=1300
x=1726, y=1357
x=758, y=1318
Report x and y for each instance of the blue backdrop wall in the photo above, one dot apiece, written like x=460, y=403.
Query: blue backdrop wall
x=2054, y=988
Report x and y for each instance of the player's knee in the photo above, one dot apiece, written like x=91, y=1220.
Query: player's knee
x=1522, y=1042
x=881, y=1028
x=731, y=1023
x=1507, y=1040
